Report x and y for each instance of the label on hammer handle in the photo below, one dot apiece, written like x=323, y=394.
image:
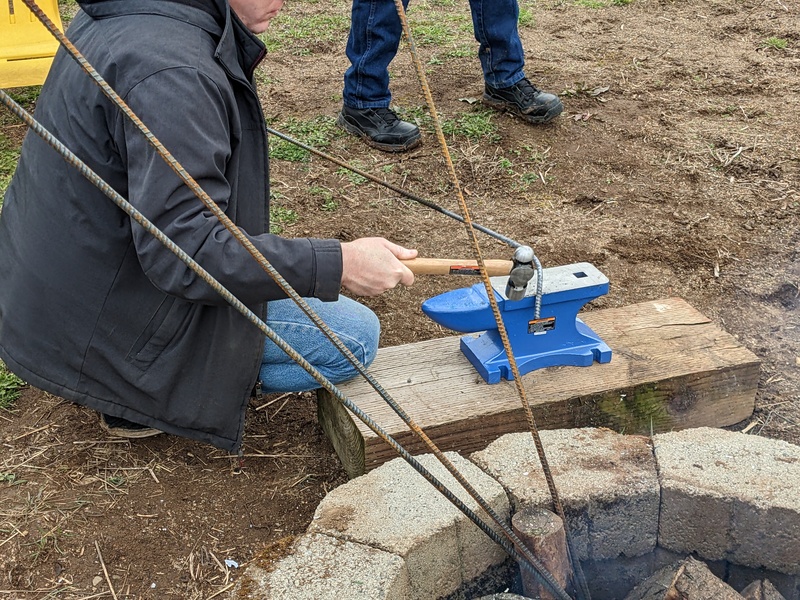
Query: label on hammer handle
x=541, y=326
x=464, y=270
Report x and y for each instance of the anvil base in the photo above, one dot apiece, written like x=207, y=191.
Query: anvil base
x=487, y=355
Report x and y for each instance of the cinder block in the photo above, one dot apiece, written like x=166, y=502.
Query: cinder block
x=731, y=496
x=607, y=483
x=320, y=566
x=395, y=509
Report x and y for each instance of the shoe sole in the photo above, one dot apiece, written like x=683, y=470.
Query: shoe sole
x=342, y=122
x=552, y=112
x=131, y=434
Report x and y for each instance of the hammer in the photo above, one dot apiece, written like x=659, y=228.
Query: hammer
x=520, y=270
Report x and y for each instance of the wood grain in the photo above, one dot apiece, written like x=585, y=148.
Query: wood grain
x=671, y=369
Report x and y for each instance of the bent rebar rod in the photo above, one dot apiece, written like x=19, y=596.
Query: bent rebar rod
x=582, y=588
x=530, y=563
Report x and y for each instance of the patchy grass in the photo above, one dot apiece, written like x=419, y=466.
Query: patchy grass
x=280, y=217
x=775, y=43
x=477, y=125
x=9, y=155
x=317, y=132
x=10, y=387
x=304, y=35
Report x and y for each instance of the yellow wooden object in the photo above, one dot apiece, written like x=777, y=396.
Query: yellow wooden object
x=26, y=46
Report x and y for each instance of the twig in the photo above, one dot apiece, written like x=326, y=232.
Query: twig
x=225, y=589
x=273, y=401
x=22, y=435
x=9, y=538
x=303, y=478
x=275, y=414
x=750, y=426
x=229, y=456
x=105, y=572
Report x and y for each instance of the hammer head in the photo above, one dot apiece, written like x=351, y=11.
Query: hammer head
x=521, y=273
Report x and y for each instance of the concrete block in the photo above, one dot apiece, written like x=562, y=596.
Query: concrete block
x=739, y=577
x=614, y=578
x=731, y=496
x=320, y=566
x=395, y=509
x=607, y=483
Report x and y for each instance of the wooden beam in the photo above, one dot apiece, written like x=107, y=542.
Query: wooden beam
x=671, y=369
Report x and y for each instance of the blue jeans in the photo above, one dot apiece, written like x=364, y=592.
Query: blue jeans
x=355, y=325
x=375, y=32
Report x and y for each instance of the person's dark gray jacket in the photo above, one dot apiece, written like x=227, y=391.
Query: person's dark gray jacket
x=94, y=309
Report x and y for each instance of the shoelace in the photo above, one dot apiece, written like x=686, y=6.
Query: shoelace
x=527, y=88
x=387, y=114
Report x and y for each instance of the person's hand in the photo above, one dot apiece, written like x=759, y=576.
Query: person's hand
x=370, y=266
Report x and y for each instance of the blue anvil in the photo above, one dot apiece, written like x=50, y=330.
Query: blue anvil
x=557, y=337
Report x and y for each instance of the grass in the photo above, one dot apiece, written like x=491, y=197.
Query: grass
x=477, y=125
x=325, y=195
x=775, y=43
x=9, y=148
x=9, y=155
x=354, y=178
x=10, y=387
x=303, y=34
x=280, y=217
x=317, y=132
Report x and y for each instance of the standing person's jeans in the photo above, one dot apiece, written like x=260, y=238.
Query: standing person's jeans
x=375, y=33
x=355, y=325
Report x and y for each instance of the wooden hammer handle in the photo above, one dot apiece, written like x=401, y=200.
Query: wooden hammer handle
x=447, y=266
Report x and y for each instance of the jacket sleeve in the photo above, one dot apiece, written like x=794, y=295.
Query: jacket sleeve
x=191, y=116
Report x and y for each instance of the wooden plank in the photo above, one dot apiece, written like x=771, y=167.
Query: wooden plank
x=671, y=369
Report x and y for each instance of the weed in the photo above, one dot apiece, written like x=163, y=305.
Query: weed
x=775, y=43
x=506, y=165
x=438, y=29
x=10, y=478
x=460, y=51
x=317, y=132
x=281, y=217
x=116, y=480
x=473, y=126
x=9, y=155
x=67, y=10
x=10, y=387
x=302, y=34
x=417, y=114
x=526, y=18
x=329, y=204
x=354, y=178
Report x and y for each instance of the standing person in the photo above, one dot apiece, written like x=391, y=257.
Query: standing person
x=93, y=308
x=375, y=32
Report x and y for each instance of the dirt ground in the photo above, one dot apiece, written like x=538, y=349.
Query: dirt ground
x=674, y=169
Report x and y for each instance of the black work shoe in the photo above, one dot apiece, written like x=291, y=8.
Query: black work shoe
x=524, y=100
x=380, y=128
x=120, y=427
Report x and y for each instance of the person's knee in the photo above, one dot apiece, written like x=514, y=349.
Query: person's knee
x=366, y=335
